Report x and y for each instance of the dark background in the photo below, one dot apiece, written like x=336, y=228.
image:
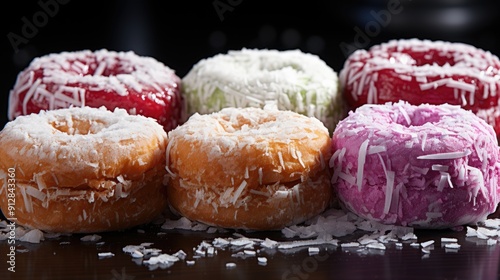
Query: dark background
x=180, y=33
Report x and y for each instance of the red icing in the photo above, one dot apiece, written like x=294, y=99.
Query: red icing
x=392, y=69
x=151, y=97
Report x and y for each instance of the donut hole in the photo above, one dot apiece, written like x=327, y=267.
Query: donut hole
x=78, y=126
x=265, y=66
x=419, y=117
x=427, y=57
x=244, y=123
x=105, y=68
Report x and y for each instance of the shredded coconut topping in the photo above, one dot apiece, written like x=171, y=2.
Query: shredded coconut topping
x=423, y=71
x=291, y=79
x=382, y=172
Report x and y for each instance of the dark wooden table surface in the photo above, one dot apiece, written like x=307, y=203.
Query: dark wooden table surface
x=68, y=257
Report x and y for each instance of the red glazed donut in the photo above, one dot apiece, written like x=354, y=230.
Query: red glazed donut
x=141, y=85
x=423, y=71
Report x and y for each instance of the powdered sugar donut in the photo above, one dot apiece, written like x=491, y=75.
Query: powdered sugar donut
x=249, y=168
x=427, y=166
x=82, y=169
x=294, y=80
x=423, y=71
x=141, y=85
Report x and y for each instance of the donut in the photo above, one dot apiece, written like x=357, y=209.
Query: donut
x=82, y=169
x=424, y=71
x=249, y=168
x=141, y=85
x=426, y=166
x=293, y=80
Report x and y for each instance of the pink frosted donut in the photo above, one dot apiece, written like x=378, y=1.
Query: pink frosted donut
x=426, y=166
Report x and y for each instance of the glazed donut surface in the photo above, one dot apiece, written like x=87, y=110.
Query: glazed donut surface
x=249, y=168
x=426, y=166
x=141, y=85
x=84, y=169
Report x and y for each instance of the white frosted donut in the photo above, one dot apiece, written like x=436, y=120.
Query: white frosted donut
x=83, y=169
x=294, y=80
x=249, y=168
x=427, y=166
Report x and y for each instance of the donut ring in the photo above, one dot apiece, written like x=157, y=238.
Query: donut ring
x=423, y=71
x=141, y=85
x=294, y=80
x=249, y=168
x=83, y=169
x=426, y=166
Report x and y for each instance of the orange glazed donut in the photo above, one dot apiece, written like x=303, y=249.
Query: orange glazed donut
x=82, y=170
x=249, y=168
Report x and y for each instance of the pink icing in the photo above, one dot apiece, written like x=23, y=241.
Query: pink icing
x=427, y=166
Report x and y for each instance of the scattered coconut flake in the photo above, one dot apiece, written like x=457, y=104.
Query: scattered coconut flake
x=268, y=243
x=32, y=236
x=307, y=243
x=415, y=244
x=190, y=262
x=452, y=246
x=230, y=265
x=211, y=251
x=471, y=232
x=91, y=238
x=181, y=255
x=349, y=245
x=184, y=224
x=487, y=232
x=105, y=255
x=378, y=246
x=211, y=230
x=491, y=242
x=313, y=251
x=161, y=259
x=262, y=260
x=137, y=254
x=427, y=243
x=249, y=252
x=449, y=240
x=220, y=242
x=409, y=236
x=243, y=241
x=492, y=223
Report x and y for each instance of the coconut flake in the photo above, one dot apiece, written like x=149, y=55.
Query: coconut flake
x=450, y=155
x=361, y=163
